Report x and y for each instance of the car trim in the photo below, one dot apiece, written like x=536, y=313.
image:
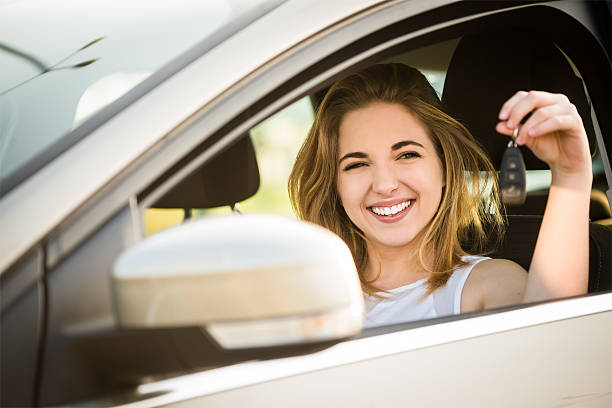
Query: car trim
x=352, y=351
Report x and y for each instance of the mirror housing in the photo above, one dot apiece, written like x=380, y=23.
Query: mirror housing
x=249, y=281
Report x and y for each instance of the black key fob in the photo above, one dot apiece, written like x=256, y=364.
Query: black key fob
x=512, y=176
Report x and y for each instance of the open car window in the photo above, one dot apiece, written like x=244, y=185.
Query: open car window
x=277, y=139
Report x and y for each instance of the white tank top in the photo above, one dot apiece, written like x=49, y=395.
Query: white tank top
x=403, y=304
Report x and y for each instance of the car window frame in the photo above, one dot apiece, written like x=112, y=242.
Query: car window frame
x=315, y=77
x=223, y=127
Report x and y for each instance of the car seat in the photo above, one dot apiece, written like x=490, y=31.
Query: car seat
x=485, y=70
x=228, y=178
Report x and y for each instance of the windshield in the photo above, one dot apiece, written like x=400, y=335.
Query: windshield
x=64, y=60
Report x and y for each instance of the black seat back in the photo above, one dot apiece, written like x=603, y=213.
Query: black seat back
x=228, y=178
x=520, y=239
x=488, y=68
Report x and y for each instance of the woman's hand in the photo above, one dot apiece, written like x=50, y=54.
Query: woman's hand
x=554, y=133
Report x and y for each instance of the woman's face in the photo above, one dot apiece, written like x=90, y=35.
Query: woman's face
x=390, y=178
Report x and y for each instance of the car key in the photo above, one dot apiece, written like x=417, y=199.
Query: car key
x=512, y=174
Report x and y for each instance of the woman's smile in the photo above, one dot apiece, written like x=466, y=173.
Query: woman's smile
x=392, y=211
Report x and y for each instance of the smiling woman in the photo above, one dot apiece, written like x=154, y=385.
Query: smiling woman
x=384, y=167
x=393, y=144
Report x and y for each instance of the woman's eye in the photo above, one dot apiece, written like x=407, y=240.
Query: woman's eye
x=408, y=155
x=354, y=166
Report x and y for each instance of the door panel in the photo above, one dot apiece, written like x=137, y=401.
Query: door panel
x=80, y=305
x=565, y=363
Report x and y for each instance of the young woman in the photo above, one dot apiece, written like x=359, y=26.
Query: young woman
x=404, y=185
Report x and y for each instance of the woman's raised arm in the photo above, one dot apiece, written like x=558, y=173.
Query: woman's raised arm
x=556, y=135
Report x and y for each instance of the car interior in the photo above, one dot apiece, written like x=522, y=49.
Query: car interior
x=479, y=77
x=474, y=98
x=226, y=180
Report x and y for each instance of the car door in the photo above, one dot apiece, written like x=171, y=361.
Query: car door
x=548, y=354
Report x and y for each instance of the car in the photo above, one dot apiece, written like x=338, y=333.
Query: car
x=132, y=136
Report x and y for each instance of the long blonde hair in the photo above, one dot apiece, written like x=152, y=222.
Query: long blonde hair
x=470, y=196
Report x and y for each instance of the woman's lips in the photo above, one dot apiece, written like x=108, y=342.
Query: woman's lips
x=393, y=213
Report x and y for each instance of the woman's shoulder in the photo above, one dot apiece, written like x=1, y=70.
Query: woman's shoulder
x=472, y=260
x=493, y=283
x=491, y=268
x=469, y=263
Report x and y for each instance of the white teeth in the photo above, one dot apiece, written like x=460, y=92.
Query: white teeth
x=391, y=210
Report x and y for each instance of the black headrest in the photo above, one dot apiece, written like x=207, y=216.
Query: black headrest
x=230, y=177
x=488, y=68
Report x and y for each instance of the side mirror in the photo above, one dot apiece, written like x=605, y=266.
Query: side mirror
x=249, y=281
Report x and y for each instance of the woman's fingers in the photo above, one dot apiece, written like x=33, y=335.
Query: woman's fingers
x=503, y=129
x=553, y=124
x=543, y=106
x=531, y=128
x=506, y=108
x=529, y=102
x=553, y=131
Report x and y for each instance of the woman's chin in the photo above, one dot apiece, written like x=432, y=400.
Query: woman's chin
x=393, y=242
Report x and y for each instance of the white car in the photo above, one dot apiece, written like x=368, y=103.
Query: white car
x=114, y=113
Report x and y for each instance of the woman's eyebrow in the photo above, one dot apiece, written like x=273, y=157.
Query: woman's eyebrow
x=358, y=155
x=403, y=143
x=396, y=146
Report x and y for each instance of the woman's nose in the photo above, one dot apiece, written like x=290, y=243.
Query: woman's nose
x=384, y=180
